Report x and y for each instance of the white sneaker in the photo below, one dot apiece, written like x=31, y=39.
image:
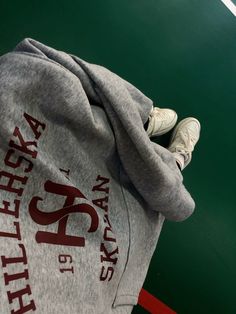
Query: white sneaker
x=184, y=138
x=161, y=121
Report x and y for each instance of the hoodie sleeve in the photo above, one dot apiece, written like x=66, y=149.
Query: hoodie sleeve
x=151, y=168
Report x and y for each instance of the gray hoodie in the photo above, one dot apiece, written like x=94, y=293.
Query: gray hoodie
x=84, y=192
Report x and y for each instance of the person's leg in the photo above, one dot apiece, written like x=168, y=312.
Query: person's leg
x=160, y=121
x=184, y=137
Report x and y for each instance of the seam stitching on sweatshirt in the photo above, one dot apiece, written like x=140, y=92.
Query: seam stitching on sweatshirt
x=125, y=295
x=128, y=253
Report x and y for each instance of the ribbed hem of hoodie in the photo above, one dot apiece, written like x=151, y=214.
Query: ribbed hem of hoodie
x=125, y=300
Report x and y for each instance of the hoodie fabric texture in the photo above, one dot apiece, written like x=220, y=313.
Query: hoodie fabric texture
x=84, y=192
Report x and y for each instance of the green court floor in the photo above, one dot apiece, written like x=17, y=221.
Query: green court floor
x=181, y=54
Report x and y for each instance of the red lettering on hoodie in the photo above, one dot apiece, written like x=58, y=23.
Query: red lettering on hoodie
x=46, y=218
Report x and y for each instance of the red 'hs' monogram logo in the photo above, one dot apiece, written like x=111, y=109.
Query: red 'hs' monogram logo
x=62, y=215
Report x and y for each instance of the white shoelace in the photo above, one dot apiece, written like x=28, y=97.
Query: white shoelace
x=188, y=142
x=162, y=115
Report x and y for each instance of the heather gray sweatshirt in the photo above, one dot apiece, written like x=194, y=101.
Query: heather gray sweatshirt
x=84, y=192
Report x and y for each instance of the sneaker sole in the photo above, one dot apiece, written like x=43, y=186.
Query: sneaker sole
x=181, y=123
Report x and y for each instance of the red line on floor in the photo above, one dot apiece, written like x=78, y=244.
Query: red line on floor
x=152, y=304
